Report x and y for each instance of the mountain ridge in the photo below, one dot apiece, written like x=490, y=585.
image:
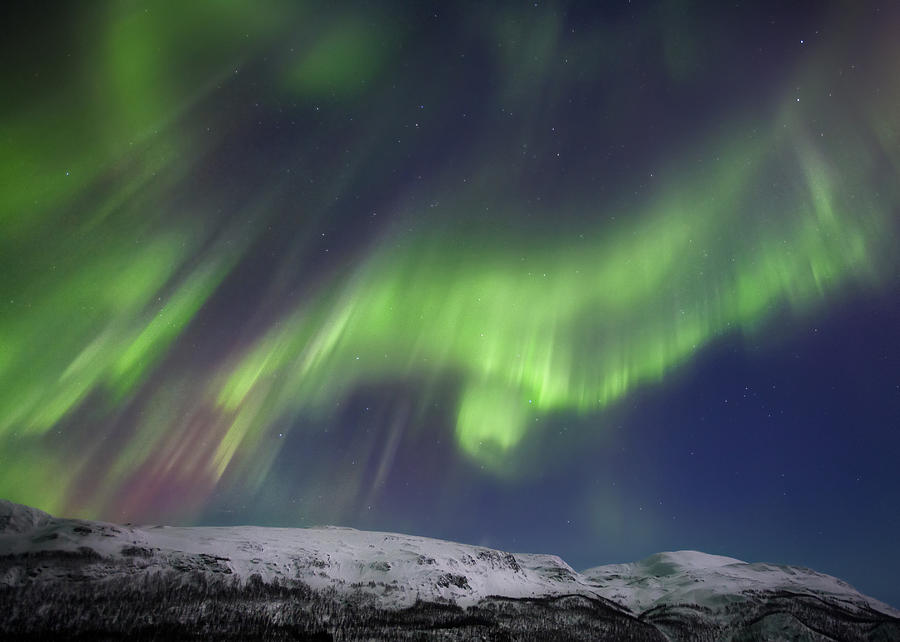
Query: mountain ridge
x=673, y=594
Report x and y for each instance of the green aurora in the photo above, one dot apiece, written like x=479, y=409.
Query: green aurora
x=572, y=325
x=107, y=264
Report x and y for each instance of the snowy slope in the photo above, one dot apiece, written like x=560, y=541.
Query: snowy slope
x=15, y=518
x=395, y=569
x=713, y=581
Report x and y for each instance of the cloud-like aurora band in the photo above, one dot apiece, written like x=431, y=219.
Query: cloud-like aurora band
x=568, y=326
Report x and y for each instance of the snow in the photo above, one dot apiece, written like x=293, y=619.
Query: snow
x=399, y=569
x=418, y=566
x=713, y=581
x=15, y=518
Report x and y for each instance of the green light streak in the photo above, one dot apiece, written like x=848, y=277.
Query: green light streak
x=568, y=326
x=157, y=334
x=38, y=385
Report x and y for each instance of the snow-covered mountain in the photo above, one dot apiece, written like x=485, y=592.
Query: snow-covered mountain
x=392, y=578
x=684, y=586
x=713, y=581
x=398, y=569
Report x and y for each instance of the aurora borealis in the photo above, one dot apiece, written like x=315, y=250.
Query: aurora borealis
x=599, y=281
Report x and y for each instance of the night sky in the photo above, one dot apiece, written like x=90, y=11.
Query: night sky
x=600, y=279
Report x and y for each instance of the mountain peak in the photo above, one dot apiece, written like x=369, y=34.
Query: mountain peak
x=17, y=518
x=669, y=562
